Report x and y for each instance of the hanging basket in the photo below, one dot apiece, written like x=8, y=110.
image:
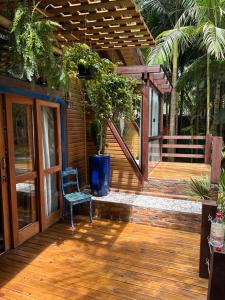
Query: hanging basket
x=86, y=73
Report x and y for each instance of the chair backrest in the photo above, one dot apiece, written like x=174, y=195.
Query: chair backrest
x=70, y=172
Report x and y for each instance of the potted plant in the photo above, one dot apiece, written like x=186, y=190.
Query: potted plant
x=110, y=97
x=82, y=62
x=31, y=51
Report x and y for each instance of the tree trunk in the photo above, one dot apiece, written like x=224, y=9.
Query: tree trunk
x=216, y=107
x=197, y=111
x=208, y=96
x=174, y=92
x=181, y=111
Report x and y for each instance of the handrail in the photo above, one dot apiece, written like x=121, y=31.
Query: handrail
x=184, y=137
x=125, y=150
x=172, y=145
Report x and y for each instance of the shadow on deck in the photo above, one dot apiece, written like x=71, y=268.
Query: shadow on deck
x=105, y=260
x=171, y=179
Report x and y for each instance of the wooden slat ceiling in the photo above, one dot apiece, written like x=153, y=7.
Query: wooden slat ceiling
x=103, y=24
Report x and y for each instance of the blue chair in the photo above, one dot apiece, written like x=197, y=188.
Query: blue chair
x=75, y=197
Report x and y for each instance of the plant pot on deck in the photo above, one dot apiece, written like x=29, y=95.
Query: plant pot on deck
x=100, y=175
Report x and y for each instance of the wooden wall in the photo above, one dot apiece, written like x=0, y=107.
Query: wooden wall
x=80, y=146
x=123, y=175
x=76, y=131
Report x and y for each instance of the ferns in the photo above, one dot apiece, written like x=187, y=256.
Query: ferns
x=31, y=47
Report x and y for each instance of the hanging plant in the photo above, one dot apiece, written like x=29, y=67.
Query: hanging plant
x=82, y=62
x=31, y=51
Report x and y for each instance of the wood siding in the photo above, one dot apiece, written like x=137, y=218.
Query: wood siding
x=76, y=131
x=123, y=175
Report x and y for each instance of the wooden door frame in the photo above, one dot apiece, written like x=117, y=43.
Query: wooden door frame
x=55, y=216
x=4, y=181
x=19, y=235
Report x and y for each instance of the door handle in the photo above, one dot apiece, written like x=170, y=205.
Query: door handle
x=4, y=179
x=3, y=164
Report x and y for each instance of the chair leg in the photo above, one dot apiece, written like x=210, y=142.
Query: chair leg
x=90, y=211
x=71, y=215
x=64, y=208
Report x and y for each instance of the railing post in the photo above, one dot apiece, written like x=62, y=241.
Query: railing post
x=144, y=132
x=208, y=148
x=217, y=144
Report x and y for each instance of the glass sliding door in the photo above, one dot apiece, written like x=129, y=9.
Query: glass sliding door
x=154, y=128
x=50, y=159
x=4, y=201
x=23, y=167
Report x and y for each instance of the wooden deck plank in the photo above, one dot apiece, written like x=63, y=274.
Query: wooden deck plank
x=179, y=171
x=105, y=260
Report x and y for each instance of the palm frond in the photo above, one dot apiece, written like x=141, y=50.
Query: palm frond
x=214, y=40
x=163, y=52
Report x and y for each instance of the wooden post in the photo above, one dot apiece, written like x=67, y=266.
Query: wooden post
x=208, y=208
x=161, y=125
x=144, y=132
x=216, y=288
x=208, y=148
x=217, y=144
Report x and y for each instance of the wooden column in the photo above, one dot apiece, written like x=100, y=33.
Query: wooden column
x=217, y=144
x=216, y=288
x=161, y=124
x=208, y=148
x=144, y=132
x=208, y=208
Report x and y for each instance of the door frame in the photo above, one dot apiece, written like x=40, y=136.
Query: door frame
x=47, y=221
x=19, y=235
x=4, y=180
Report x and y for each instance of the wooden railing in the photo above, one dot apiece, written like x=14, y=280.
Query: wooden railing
x=211, y=147
x=193, y=144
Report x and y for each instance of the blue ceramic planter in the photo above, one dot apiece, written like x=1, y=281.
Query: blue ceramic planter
x=100, y=175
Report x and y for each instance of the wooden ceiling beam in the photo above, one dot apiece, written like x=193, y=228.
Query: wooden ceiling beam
x=136, y=29
x=138, y=69
x=95, y=16
x=104, y=24
x=90, y=7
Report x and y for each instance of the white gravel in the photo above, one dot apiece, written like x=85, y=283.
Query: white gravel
x=153, y=202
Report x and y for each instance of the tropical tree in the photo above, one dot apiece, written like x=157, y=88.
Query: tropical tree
x=207, y=17
x=168, y=41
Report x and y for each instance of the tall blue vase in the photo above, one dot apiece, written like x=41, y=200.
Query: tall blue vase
x=100, y=175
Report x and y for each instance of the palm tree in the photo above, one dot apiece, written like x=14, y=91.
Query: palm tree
x=170, y=42
x=199, y=22
x=207, y=16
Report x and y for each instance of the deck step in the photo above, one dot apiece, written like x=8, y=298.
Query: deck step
x=177, y=189
x=148, y=210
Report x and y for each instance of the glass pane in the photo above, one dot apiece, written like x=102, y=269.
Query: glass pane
x=26, y=203
x=1, y=225
x=51, y=192
x=130, y=131
x=23, y=138
x=48, y=115
x=154, y=153
x=153, y=113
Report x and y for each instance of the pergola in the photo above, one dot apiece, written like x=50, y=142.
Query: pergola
x=103, y=24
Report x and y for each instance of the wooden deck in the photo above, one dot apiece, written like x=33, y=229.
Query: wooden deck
x=179, y=171
x=107, y=260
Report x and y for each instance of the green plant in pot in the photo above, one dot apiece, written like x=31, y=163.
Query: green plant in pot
x=110, y=97
x=31, y=47
x=82, y=62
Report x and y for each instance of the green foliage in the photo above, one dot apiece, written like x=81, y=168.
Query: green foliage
x=31, y=50
x=200, y=188
x=110, y=96
x=82, y=55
